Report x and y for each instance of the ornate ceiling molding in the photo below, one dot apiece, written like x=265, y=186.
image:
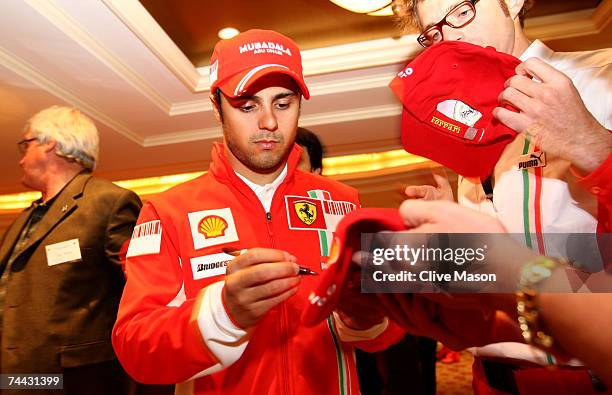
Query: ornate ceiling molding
x=338, y=59
x=27, y=71
x=56, y=15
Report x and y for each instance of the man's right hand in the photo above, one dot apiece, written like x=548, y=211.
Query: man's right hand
x=553, y=116
x=443, y=191
x=256, y=281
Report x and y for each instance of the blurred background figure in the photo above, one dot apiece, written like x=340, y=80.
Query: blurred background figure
x=311, y=160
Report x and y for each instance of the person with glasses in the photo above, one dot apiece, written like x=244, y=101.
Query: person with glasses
x=563, y=116
x=61, y=275
x=561, y=111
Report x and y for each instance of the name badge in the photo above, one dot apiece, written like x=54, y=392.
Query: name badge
x=66, y=251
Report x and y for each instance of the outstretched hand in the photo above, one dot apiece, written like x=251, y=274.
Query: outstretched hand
x=442, y=190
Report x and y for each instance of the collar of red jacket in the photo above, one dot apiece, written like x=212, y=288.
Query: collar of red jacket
x=222, y=170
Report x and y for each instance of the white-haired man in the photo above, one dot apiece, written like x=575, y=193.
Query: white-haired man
x=61, y=273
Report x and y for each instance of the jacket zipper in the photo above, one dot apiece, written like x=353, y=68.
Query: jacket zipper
x=283, y=319
x=269, y=226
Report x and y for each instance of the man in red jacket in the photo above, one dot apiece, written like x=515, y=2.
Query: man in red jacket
x=215, y=266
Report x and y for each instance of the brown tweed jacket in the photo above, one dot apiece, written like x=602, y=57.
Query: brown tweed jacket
x=61, y=316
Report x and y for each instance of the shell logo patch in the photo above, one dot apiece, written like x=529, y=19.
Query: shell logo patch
x=212, y=226
x=306, y=211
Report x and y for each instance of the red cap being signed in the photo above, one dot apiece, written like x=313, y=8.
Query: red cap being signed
x=347, y=240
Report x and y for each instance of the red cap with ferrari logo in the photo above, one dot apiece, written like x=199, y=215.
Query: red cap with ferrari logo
x=448, y=95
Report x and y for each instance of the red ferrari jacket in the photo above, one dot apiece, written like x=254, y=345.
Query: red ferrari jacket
x=599, y=183
x=172, y=326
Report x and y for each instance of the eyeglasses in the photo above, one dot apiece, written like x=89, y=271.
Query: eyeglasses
x=23, y=144
x=459, y=16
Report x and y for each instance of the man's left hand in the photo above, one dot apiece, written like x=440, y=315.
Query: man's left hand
x=356, y=310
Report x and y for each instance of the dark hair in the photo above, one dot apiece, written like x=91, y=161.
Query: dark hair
x=218, y=102
x=312, y=144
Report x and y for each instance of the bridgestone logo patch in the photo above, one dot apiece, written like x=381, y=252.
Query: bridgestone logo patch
x=210, y=265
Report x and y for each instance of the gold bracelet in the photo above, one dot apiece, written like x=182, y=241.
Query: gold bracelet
x=532, y=274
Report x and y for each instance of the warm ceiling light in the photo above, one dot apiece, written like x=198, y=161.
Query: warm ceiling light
x=370, y=7
x=387, y=11
x=227, y=33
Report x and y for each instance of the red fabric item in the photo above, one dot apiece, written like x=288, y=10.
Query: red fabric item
x=156, y=337
x=449, y=93
x=347, y=240
x=238, y=62
x=599, y=183
x=533, y=379
x=480, y=385
x=557, y=381
x=122, y=253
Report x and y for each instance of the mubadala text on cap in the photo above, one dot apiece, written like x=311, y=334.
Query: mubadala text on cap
x=257, y=47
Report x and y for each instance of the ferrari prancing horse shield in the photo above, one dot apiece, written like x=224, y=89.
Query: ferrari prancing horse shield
x=306, y=211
